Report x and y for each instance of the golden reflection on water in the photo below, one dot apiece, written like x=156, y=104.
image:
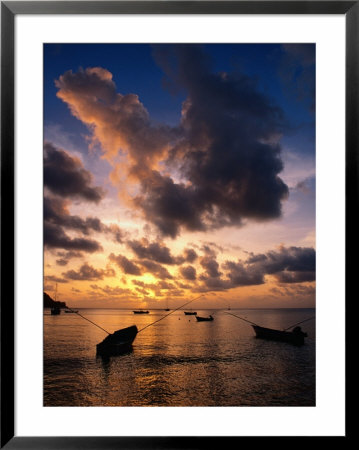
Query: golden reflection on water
x=178, y=361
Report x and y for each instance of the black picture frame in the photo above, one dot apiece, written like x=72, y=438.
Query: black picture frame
x=9, y=9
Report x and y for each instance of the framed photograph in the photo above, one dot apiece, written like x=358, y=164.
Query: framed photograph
x=174, y=187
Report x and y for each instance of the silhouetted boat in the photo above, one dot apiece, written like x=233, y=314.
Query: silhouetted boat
x=55, y=310
x=295, y=337
x=140, y=312
x=73, y=311
x=117, y=343
x=204, y=319
x=190, y=313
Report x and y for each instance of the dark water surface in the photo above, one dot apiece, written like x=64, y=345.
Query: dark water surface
x=179, y=361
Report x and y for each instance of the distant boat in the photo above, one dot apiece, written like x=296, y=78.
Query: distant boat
x=204, y=319
x=73, y=311
x=141, y=312
x=55, y=310
x=295, y=337
x=190, y=313
x=118, y=342
x=167, y=309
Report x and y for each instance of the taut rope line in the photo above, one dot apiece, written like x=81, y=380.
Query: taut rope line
x=88, y=320
x=238, y=317
x=163, y=317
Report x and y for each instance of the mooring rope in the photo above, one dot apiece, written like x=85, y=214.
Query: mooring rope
x=238, y=317
x=93, y=323
x=252, y=323
x=306, y=320
x=166, y=315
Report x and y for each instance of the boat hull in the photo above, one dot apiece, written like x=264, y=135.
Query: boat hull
x=295, y=338
x=204, y=319
x=190, y=313
x=140, y=312
x=117, y=343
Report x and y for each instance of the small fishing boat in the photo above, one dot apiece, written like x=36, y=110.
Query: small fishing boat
x=190, y=313
x=118, y=342
x=204, y=319
x=295, y=337
x=140, y=312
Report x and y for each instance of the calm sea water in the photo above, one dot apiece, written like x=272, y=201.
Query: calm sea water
x=179, y=361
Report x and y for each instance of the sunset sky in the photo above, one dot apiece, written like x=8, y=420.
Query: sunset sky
x=176, y=170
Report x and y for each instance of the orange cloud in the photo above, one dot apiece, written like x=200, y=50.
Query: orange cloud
x=119, y=123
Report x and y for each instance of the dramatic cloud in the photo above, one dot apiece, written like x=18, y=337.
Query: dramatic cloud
x=288, y=259
x=243, y=275
x=125, y=264
x=228, y=154
x=295, y=277
x=55, y=279
x=211, y=266
x=156, y=251
x=190, y=255
x=288, y=265
x=62, y=262
x=218, y=168
x=188, y=272
x=57, y=218
x=56, y=212
x=65, y=257
x=118, y=122
x=89, y=273
x=55, y=237
x=156, y=269
x=112, y=291
x=65, y=175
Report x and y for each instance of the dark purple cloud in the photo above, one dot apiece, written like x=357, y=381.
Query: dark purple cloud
x=189, y=255
x=154, y=251
x=57, y=218
x=89, y=273
x=155, y=268
x=55, y=279
x=225, y=151
x=291, y=259
x=65, y=257
x=211, y=266
x=55, y=237
x=188, y=272
x=288, y=265
x=56, y=212
x=125, y=264
x=65, y=176
x=295, y=277
x=228, y=153
x=243, y=275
